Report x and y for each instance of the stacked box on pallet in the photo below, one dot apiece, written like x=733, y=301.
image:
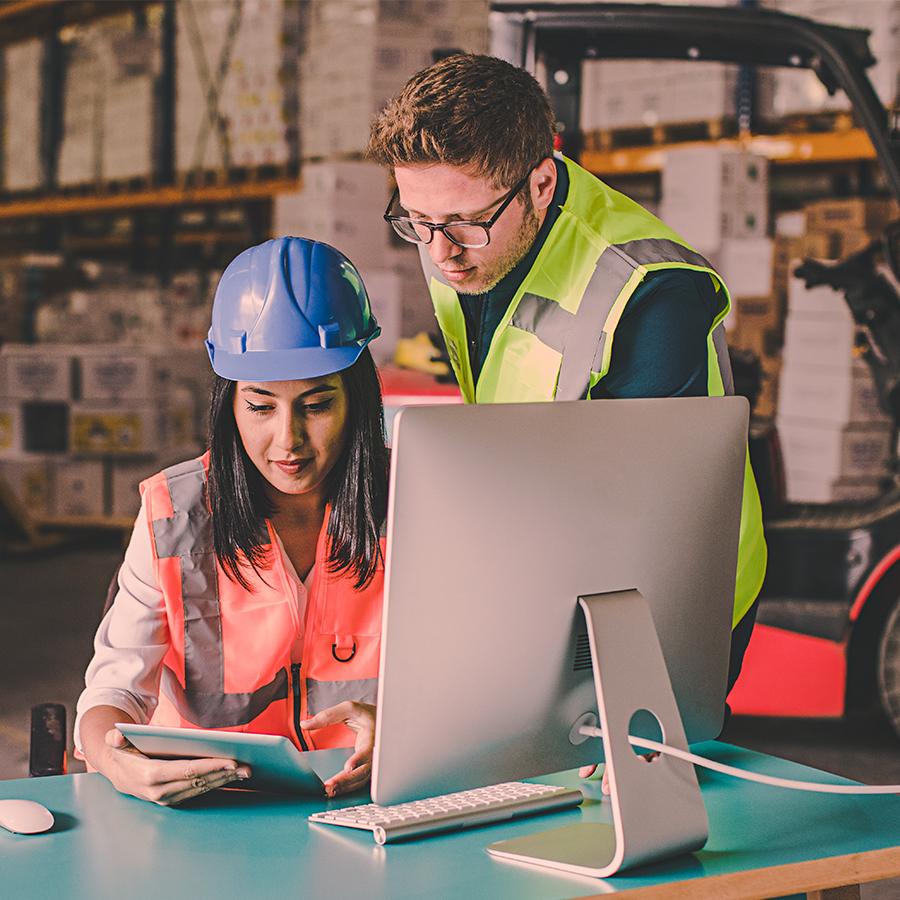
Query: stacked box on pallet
x=236, y=83
x=835, y=438
x=711, y=194
x=110, y=109
x=82, y=127
x=130, y=110
x=360, y=53
x=632, y=93
x=801, y=91
x=78, y=424
x=22, y=91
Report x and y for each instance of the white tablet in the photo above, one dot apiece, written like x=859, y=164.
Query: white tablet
x=275, y=763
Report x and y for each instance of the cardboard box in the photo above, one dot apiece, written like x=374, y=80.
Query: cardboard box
x=818, y=301
x=786, y=256
x=833, y=452
x=806, y=487
x=826, y=341
x=113, y=372
x=767, y=402
x=756, y=324
x=758, y=337
x=79, y=488
x=851, y=214
x=710, y=194
x=110, y=428
x=22, y=167
x=746, y=266
x=820, y=394
x=12, y=429
x=30, y=478
x=36, y=372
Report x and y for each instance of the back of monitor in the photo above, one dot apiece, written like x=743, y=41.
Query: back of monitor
x=500, y=518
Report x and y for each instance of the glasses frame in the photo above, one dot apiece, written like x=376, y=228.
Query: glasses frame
x=443, y=226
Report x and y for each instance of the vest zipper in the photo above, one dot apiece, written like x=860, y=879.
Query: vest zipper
x=295, y=684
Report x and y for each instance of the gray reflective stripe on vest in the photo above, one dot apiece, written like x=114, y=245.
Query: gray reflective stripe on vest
x=650, y=251
x=324, y=694
x=545, y=319
x=647, y=251
x=585, y=347
x=721, y=345
x=221, y=710
x=188, y=536
x=580, y=337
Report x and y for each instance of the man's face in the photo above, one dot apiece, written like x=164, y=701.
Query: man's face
x=442, y=193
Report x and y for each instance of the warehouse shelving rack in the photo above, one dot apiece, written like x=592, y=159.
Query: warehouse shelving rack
x=38, y=220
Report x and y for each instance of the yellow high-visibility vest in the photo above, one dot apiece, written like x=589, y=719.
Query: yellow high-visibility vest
x=555, y=339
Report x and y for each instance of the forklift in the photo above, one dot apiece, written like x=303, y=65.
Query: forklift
x=827, y=638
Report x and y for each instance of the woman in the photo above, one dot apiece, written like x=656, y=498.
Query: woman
x=250, y=595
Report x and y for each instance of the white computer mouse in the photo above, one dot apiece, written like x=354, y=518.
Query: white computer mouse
x=25, y=816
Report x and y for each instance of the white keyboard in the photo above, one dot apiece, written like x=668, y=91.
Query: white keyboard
x=459, y=810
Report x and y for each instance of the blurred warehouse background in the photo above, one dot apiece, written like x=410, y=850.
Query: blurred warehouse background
x=145, y=144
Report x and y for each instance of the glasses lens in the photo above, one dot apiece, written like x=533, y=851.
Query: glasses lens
x=409, y=232
x=472, y=236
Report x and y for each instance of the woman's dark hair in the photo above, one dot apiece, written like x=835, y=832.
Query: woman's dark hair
x=357, y=492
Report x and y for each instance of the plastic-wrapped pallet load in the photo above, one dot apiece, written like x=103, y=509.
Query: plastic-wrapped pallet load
x=110, y=100
x=360, y=53
x=236, y=83
x=22, y=88
x=80, y=425
x=712, y=193
x=633, y=93
x=835, y=438
x=802, y=92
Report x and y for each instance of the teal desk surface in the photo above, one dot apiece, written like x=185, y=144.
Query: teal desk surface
x=764, y=842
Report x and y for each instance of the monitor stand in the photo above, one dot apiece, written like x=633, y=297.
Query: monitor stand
x=657, y=807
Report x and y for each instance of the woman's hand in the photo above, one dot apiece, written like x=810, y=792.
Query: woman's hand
x=360, y=717
x=163, y=781
x=167, y=782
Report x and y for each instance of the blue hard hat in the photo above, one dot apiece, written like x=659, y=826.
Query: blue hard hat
x=287, y=309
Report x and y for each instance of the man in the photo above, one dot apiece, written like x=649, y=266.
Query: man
x=546, y=283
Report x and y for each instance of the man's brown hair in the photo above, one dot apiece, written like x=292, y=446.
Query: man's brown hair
x=474, y=112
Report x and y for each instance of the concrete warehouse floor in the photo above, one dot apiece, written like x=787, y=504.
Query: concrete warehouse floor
x=51, y=605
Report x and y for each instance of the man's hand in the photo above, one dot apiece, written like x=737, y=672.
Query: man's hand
x=360, y=717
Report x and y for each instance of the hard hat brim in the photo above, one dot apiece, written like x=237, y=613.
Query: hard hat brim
x=284, y=365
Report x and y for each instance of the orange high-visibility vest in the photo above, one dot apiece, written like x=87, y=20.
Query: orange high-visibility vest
x=229, y=658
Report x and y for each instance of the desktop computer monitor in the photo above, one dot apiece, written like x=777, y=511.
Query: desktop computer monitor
x=500, y=518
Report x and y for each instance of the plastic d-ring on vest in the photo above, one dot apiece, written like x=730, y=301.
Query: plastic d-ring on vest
x=343, y=659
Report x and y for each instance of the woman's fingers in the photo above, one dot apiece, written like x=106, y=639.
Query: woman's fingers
x=360, y=718
x=166, y=781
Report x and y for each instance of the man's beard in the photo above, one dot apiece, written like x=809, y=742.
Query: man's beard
x=525, y=238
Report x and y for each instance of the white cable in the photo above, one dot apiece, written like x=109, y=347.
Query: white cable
x=646, y=744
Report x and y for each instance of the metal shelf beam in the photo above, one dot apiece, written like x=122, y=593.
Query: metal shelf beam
x=165, y=196
x=809, y=148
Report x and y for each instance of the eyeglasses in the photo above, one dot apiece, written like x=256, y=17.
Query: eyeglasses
x=464, y=234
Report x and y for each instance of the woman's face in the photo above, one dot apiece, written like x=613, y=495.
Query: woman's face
x=293, y=431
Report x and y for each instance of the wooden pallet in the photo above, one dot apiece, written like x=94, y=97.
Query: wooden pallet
x=606, y=139
x=222, y=176
x=817, y=122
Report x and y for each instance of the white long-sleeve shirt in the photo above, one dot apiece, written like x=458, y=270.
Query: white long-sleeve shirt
x=133, y=637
